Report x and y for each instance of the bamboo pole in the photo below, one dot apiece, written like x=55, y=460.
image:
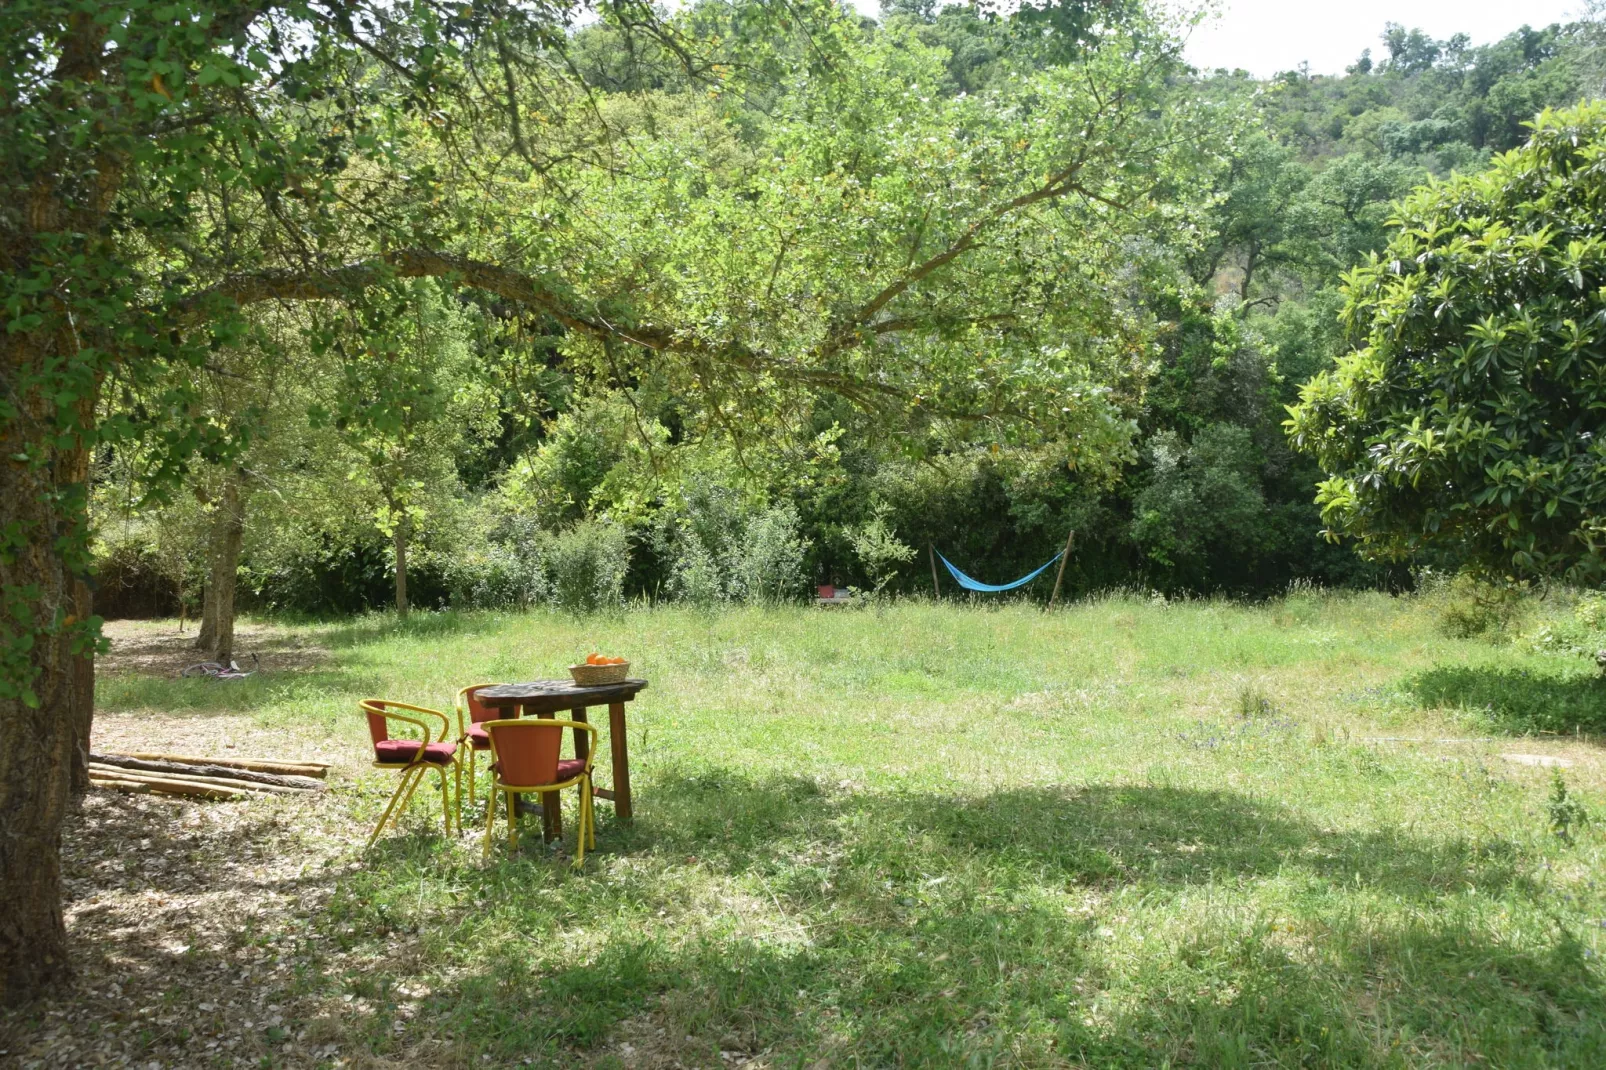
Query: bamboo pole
x=265, y=765
x=931, y=555
x=1059, y=577
x=164, y=787
x=208, y=769
x=181, y=778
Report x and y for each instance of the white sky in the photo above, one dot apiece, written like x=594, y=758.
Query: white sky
x=1267, y=36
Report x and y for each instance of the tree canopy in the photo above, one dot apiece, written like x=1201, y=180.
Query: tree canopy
x=1468, y=417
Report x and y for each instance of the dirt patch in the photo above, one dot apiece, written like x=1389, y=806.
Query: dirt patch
x=158, y=648
x=200, y=938
x=224, y=735
x=188, y=926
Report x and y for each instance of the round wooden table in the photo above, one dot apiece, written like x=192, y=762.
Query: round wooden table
x=547, y=698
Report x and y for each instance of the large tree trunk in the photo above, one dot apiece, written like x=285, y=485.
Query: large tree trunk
x=400, y=540
x=43, y=703
x=228, y=532
x=83, y=693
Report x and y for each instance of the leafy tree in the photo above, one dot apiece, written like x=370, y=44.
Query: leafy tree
x=1467, y=418
x=1201, y=499
x=943, y=262
x=409, y=404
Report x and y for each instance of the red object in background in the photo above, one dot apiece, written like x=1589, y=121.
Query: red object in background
x=827, y=591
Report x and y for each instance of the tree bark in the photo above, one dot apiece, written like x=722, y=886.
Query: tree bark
x=400, y=540
x=206, y=634
x=229, y=533
x=83, y=694
x=41, y=726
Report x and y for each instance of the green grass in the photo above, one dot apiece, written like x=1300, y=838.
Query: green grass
x=1126, y=834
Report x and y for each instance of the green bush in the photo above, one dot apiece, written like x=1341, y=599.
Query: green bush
x=723, y=549
x=1472, y=606
x=766, y=563
x=584, y=566
x=695, y=576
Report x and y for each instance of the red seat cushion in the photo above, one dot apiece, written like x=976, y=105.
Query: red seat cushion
x=568, y=769
x=401, y=751
x=478, y=737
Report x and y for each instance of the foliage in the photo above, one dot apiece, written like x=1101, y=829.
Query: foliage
x=504, y=572
x=1466, y=418
x=1473, y=606
x=879, y=549
x=767, y=566
x=724, y=547
x=1566, y=813
x=584, y=566
x=1201, y=497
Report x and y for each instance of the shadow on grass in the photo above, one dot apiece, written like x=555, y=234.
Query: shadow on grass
x=1516, y=700
x=927, y=929
x=1104, y=926
x=1095, y=836
x=439, y=624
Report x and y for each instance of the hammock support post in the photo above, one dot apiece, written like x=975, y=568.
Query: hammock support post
x=931, y=555
x=1059, y=577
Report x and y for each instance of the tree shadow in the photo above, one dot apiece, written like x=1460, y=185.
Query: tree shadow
x=438, y=624
x=1516, y=700
x=900, y=928
x=923, y=928
x=1089, y=836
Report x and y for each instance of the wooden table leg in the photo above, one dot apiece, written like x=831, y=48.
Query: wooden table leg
x=621, y=760
x=582, y=738
x=551, y=808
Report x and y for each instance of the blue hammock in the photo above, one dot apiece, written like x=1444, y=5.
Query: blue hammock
x=976, y=585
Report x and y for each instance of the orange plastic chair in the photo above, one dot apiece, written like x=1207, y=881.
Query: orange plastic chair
x=471, y=735
x=527, y=761
x=412, y=757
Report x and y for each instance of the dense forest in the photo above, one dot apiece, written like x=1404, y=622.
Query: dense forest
x=448, y=447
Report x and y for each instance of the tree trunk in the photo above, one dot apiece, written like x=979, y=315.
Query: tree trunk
x=229, y=533
x=83, y=694
x=400, y=539
x=206, y=635
x=43, y=703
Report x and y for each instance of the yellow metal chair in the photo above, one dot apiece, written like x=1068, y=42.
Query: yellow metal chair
x=527, y=761
x=471, y=735
x=411, y=757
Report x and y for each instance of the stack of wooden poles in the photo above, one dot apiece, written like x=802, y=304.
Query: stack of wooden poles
x=206, y=778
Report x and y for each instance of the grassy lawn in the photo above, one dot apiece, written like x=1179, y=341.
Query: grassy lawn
x=1125, y=834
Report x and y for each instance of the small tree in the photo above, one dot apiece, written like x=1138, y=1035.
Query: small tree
x=880, y=550
x=1468, y=417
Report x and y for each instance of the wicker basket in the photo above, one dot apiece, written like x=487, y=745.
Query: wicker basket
x=592, y=675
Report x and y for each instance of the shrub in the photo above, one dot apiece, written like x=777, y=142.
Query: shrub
x=695, y=575
x=1474, y=606
x=500, y=572
x=766, y=563
x=585, y=566
x=721, y=549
